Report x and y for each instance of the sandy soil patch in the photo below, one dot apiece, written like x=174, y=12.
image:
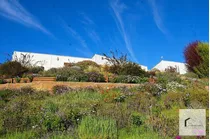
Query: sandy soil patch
x=48, y=85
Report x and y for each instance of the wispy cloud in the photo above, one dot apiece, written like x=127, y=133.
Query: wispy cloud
x=13, y=10
x=94, y=36
x=157, y=17
x=89, y=26
x=85, y=50
x=85, y=53
x=86, y=20
x=118, y=9
x=77, y=37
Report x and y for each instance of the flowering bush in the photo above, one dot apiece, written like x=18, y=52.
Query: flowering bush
x=154, y=89
x=173, y=86
x=128, y=79
x=164, y=78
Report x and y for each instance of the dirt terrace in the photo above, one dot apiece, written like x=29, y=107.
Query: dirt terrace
x=48, y=85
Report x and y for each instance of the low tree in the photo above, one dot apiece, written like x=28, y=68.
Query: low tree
x=120, y=65
x=12, y=69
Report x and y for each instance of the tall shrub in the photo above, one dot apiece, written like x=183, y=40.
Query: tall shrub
x=120, y=65
x=196, y=56
x=202, y=69
x=86, y=63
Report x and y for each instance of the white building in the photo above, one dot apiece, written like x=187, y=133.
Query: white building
x=163, y=65
x=56, y=61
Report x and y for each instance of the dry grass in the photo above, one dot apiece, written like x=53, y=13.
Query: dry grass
x=48, y=85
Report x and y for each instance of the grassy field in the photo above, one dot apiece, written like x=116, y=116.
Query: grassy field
x=98, y=110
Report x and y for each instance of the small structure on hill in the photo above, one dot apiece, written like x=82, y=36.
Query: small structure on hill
x=164, y=65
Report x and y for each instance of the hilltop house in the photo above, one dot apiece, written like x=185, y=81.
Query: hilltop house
x=56, y=61
x=163, y=65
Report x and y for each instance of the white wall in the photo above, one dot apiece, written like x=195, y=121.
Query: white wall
x=181, y=67
x=55, y=61
x=50, y=61
x=144, y=67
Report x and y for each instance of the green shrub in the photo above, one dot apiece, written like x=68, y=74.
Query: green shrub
x=52, y=122
x=92, y=127
x=36, y=69
x=120, y=98
x=2, y=81
x=67, y=71
x=30, y=77
x=79, y=77
x=164, y=78
x=127, y=68
x=6, y=94
x=70, y=74
x=137, y=119
x=95, y=77
x=27, y=90
x=191, y=75
x=143, y=80
x=17, y=80
x=50, y=73
x=200, y=95
x=12, y=69
x=61, y=78
x=86, y=63
x=202, y=70
x=174, y=99
x=92, y=69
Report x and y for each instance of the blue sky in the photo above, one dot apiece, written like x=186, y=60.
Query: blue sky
x=144, y=29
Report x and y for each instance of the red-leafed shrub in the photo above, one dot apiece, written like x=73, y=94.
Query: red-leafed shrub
x=191, y=55
x=197, y=58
